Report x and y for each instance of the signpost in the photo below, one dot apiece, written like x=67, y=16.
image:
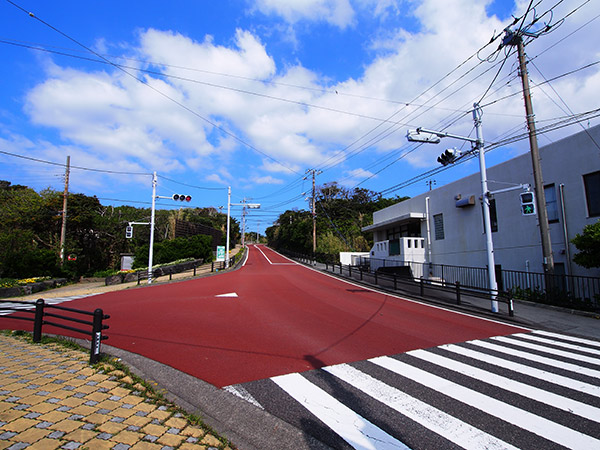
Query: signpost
x=221, y=253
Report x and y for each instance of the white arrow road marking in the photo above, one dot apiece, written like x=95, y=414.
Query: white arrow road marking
x=230, y=294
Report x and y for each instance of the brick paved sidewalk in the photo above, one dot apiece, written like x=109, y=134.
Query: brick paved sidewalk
x=51, y=398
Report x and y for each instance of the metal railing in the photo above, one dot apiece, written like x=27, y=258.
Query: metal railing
x=38, y=314
x=571, y=291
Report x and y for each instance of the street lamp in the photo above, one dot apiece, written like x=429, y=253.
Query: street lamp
x=433, y=137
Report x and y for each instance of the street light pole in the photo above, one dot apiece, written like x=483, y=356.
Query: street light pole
x=432, y=137
x=228, y=219
x=485, y=195
x=152, y=216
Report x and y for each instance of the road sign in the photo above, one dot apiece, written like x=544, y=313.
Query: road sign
x=221, y=253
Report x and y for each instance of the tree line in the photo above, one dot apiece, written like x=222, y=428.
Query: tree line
x=30, y=229
x=341, y=213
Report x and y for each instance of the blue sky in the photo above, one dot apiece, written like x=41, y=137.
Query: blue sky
x=253, y=93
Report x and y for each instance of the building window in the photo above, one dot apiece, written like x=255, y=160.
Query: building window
x=591, y=182
x=493, y=216
x=394, y=247
x=551, y=203
x=438, y=223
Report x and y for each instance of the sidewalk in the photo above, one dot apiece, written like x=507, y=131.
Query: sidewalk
x=51, y=398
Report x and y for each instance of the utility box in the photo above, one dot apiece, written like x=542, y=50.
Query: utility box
x=126, y=261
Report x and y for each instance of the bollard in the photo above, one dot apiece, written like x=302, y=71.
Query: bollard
x=195, y=265
x=170, y=275
x=511, y=310
x=350, y=271
x=39, y=320
x=458, y=292
x=361, y=273
x=422, y=287
x=212, y=266
x=96, y=336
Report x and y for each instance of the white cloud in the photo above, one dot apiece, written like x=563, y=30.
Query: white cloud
x=335, y=12
x=267, y=179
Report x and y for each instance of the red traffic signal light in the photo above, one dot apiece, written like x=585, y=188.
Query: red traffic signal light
x=182, y=198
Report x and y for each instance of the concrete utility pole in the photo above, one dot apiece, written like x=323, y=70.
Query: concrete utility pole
x=63, y=229
x=515, y=39
x=228, y=220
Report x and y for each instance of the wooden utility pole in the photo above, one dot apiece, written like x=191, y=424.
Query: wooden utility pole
x=314, y=172
x=63, y=230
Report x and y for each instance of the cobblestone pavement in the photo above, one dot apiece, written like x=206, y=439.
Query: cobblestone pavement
x=51, y=398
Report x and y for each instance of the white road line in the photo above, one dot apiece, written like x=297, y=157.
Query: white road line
x=543, y=340
x=263, y=253
x=439, y=422
x=538, y=425
x=550, y=377
x=353, y=428
x=552, y=351
x=532, y=392
x=569, y=338
x=537, y=358
x=241, y=392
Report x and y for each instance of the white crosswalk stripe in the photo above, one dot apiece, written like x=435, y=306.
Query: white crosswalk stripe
x=528, y=390
x=4, y=305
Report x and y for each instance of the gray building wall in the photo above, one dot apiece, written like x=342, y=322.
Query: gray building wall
x=517, y=243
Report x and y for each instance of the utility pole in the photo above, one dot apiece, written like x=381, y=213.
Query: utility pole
x=314, y=172
x=228, y=219
x=63, y=229
x=516, y=39
x=152, y=217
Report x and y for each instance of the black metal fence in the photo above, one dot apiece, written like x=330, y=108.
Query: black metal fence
x=39, y=312
x=571, y=291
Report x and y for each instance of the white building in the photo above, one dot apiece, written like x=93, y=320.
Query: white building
x=449, y=219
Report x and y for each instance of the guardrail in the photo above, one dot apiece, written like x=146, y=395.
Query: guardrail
x=39, y=312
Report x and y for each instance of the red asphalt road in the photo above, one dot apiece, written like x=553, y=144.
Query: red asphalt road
x=286, y=318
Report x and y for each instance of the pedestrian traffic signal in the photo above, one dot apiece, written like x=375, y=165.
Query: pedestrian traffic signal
x=129, y=232
x=449, y=156
x=182, y=198
x=527, y=203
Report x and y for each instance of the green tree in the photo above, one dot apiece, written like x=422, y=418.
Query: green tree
x=588, y=244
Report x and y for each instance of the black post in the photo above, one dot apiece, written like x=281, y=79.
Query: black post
x=96, y=336
x=422, y=287
x=195, y=265
x=361, y=273
x=458, y=292
x=212, y=266
x=138, y=275
x=39, y=320
x=511, y=309
x=395, y=281
x=350, y=271
x=170, y=274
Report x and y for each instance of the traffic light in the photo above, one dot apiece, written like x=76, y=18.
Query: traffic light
x=527, y=203
x=129, y=232
x=449, y=156
x=182, y=198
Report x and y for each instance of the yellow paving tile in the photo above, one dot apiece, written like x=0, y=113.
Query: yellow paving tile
x=97, y=418
x=127, y=437
x=108, y=404
x=11, y=414
x=20, y=424
x=87, y=389
x=210, y=440
x=107, y=384
x=72, y=402
x=172, y=440
x=193, y=432
x=42, y=408
x=98, y=444
x=31, y=435
x=67, y=425
x=84, y=410
x=54, y=416
x=97, y=396
x=80, y=435
x=137, y=421
x=154, y=430
x=119, y=391
x=144, y=445
x=131, y=399
x=146, y=407
x=112, y=427
x=122, y=412
x=46, y=444
x=32, y=400
x=175, y=422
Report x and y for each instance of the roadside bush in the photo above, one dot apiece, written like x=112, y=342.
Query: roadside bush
x=199, y=246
